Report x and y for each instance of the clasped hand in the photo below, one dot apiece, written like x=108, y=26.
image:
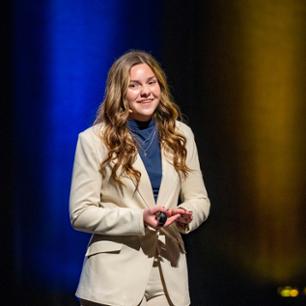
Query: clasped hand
x=179, y=215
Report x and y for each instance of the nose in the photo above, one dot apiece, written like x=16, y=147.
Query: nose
x=145, y=91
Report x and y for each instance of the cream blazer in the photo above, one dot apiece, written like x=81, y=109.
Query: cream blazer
x=121, y=250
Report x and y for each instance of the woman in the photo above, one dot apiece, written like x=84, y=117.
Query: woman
x=136, y=163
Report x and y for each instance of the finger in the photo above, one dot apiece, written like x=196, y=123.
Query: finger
x=175, y=211
x=169, y=212
x=155, y=209
x=154, y=223
x=172, y=219
x=187, y=213
x=184, y=212
x=184, y=219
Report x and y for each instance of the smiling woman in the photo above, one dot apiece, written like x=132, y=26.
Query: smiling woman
x=143, y=93
x=130, y=168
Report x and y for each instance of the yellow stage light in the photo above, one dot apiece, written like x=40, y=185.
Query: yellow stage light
x=289, y=292
x=294, y=292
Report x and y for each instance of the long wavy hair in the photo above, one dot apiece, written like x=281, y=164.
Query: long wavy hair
x=114, y=114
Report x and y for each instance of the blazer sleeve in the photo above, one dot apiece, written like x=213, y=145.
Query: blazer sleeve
x=193, y=194
x=87, y=212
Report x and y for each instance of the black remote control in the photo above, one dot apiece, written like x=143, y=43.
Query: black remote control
x=161, y=217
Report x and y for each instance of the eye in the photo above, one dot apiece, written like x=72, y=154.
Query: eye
x=133, y=85
x=153, y=82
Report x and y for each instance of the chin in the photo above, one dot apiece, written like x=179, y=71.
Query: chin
x=142, y=117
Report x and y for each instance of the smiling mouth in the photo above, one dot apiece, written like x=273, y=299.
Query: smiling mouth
x=145, y=101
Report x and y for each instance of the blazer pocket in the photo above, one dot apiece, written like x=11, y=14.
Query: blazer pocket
x=103, y=246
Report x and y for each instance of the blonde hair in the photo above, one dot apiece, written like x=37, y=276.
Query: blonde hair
x=114, y=113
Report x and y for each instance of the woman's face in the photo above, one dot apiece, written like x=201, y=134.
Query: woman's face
x=143, y=92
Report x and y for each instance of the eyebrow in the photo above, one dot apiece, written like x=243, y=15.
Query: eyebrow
x=148, y=79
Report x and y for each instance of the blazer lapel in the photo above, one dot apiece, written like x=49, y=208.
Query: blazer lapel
x=169, y=182
x=144, y=187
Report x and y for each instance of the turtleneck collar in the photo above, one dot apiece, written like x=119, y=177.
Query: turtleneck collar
x=135, y=125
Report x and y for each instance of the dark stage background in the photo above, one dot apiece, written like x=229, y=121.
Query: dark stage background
x=236, y=68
